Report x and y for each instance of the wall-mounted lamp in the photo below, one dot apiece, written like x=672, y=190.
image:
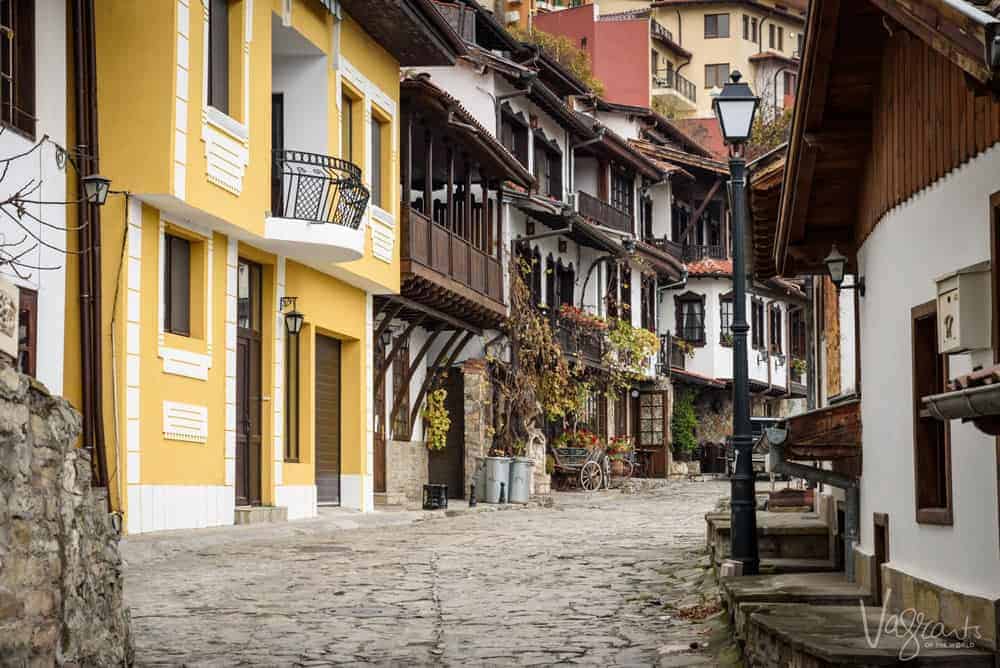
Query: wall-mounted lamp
x=836, y=264
x=628, y=244
x=635, y=393
x=96, y=188
x=386, y=338
x=293, y=319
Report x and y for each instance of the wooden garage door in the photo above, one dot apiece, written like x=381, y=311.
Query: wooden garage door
x=327, y=420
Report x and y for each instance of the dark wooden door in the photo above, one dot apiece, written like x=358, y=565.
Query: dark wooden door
x=652, y=431
x=248, y=385
x=447, y=467
x=881, y=536
x=327, y=420
x=380, y=427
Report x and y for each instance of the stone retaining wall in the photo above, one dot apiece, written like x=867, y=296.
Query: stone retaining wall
x=60, y=570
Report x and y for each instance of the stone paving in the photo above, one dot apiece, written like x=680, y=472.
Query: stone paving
x=606, y=578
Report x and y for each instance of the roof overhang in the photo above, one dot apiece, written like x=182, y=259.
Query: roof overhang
x=413, y=31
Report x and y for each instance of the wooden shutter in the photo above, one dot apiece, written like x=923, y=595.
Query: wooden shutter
x=24, y=66
x=218, y=55
x=177, y=285
x=931, y=443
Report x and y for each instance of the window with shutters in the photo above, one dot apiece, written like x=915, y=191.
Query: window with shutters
x=566, y=283
x=177, y=285
x=27, y=331
x=377, y=130
x=689, y=310
x=622, y=190
x=347, y=119
x=931, y=437
x=797, y=333
x=514, y=133
x=218, y=54
x=757, y=323
x=548, y=166
x=776, y=328
x=17, y=65
x=649, y=303
x=726, y=319
x=716, y=26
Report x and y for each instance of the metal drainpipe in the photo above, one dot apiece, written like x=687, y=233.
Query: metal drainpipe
x=852, y=512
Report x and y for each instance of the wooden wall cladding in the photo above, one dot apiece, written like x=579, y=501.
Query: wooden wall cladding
x=831, y=329
x=926, y=121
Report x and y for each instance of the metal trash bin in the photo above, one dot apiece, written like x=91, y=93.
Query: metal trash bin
x=497, y=471
x=519, y=490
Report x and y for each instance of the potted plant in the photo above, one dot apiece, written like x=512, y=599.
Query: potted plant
x=619, y=449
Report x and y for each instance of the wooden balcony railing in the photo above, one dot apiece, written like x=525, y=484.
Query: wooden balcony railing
x=695, y=252
x=578, y=345
x=603, y=213
x=436, y=247
x=667, y=246
x=658, y=30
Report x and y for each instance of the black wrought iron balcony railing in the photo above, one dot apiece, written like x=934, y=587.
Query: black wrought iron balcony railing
x=673, y=352
x=318, y=188
x=674, y=81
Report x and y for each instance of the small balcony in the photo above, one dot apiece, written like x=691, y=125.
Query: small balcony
x=577, y=345
x=658, y=31
x=317, y=200
x=696, y=252
x=672, y=352
x=670, y=83
x=603, y=213
x=666, y=245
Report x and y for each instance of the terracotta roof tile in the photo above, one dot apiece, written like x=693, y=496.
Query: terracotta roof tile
x=706, y=132
x=710, y=267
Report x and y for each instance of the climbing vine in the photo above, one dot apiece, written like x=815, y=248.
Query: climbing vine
x=535, y=380
x=437, y=421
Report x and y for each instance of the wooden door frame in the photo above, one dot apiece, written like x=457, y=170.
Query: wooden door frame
x=380, y=363
x=879, y=520
x=340, y=417
x=995, y=276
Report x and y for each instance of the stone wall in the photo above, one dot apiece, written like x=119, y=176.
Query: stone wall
x=60, y=570
x=406, y=472
x=478, y=417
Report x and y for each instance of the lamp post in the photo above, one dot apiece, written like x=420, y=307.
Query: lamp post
x=735, y=107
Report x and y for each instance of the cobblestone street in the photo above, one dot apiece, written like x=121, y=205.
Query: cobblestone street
x=597, y=579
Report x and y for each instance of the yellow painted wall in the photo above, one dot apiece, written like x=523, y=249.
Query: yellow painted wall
x=331, y=308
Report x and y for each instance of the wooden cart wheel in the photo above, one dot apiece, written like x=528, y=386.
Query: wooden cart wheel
x=591, y=476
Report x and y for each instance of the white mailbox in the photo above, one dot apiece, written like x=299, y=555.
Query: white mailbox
x=963, y=309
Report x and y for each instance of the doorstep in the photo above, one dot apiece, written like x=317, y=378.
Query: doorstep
x=260, y=514
x=799, y=634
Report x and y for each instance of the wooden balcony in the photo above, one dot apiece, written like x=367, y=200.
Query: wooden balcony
x=448, y=272
x=603, y=213
x=666, y=245
x=696, y=252
x=584, y=347
x=830, y=433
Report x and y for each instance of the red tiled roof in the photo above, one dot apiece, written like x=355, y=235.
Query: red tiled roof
x=706, y=132
x=710, y=267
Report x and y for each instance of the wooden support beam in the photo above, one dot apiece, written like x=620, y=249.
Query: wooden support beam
x=693, y=223
x=404, y=386
x=435, y=371
x=437, y=315
x=390, y=311
x=397, y=345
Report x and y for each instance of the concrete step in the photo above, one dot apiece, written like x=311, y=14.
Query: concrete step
x=784, y=536
x=779, y=565
x=260, y=514
x=800, y=634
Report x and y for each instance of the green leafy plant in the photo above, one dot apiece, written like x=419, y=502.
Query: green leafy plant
x=727, y=339
x=684, y=422
x=627, y=355
x=799, y=366
x=768, y=133
x=687, y=349
x=437, y=422
x=565, y=52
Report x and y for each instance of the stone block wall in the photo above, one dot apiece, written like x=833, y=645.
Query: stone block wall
x=478, y=417
x=406, y=472
x=60, y=570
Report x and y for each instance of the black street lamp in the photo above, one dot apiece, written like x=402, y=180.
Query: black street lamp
x=735, y=107
x=293, y=319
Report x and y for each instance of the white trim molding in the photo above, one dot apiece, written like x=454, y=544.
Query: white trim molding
x=179, y=362
x=185, y=422
x=227, y=141
x=182, y=97
x=232, y=261
x=133, y=357
x=165, y=507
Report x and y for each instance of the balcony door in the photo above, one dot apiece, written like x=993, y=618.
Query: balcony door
x=277, y=146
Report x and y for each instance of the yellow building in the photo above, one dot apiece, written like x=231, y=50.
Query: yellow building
x=256, y=146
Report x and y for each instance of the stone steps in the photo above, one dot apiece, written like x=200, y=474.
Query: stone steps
x=260, y=514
